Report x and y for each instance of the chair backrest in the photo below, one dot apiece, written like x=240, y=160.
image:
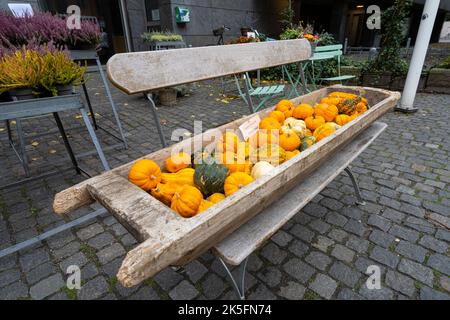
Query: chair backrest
x=331, y=51
x=146, y=71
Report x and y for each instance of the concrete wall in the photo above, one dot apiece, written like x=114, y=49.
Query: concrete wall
x=207, y=15
x=138, y=22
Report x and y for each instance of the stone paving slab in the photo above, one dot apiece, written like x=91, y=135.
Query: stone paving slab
x=323, y=253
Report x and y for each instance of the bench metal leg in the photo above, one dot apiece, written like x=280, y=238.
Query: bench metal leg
x=359, y=199
x=88, y=100
x=248, y=96
x=239, y=286
x=157, y=121
x=23, y=156
x=111, y=101
x=94, y=139
x=66, y=142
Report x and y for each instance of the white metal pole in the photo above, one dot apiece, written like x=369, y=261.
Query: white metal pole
x=420, y=51
x=126, y=26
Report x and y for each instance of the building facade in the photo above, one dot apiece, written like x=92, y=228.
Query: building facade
x=124, y=20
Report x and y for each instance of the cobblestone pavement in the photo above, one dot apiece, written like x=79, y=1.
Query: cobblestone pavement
x=323, y=253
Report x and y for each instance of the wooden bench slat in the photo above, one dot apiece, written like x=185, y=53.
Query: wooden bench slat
x=146, y=71
x=252, y=235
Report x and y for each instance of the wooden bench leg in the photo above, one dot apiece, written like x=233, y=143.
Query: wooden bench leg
x=239, y=286
x=360, y=201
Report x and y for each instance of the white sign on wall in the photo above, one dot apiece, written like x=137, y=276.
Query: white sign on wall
x=21, y=9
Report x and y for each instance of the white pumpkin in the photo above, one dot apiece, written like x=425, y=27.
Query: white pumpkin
x=261, y=169
x=298, y=126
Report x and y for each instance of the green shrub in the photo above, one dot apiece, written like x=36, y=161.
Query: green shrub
x=155, y=36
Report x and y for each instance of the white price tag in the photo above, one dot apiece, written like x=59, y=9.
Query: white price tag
x=250, y=127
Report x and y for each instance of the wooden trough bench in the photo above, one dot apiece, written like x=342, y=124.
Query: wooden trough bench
x=166, y=238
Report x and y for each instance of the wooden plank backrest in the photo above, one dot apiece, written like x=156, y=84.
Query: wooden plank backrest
x=145, y=71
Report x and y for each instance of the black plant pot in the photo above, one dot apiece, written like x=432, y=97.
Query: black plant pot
x=64, y=90
x=22, y=94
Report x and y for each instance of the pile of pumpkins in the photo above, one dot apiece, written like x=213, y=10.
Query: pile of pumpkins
x=193, y=183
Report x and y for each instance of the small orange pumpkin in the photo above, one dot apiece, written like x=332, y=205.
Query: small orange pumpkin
x=228, y=142
x=263, y=137
x=284, y=105
x=303, y=111
x=290, y=141
x=216, y=197
x=277, y=115
x=269, y=123
x=291, y=154
x=342, y=119
x=204, y=205
x=361, y=107
x=324, y=131
x=187, y=201
x=178, y=162
x=146, y=174
x=313, y=122
x=354, y=115
x=235, y=182
x=164, y=192
x=328, y=112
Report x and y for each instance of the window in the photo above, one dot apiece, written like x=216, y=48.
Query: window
x=152, y=7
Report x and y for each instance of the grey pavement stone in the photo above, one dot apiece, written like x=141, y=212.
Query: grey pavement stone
x=376, y=294
x=400, y=283
x=302, y=233
x=444, y=282
x=102, y=240
x=261, y=293
x=393, y=215
x=254, y=263
x=314, y=209
x=40, y=272
x=78, y=259
x=358, y=244
x=112, y=267
x=273, y=253
x=9, y=276
x=404, y=233
x=412, y=251
x=118, y=230
x=380, y=222
x=34, y=258
x=93, y=289
x=88, y=272
x=298, y=270
x=7, y=262
x=345, y=274
x=14, y=291
x=167, y=279
x=282, y=238
x=324, y=286
x=298, y=248
x=443, y=235
x=183, y=291
x=125, y=292
x=355, y=227
x=440, y=263
x=90, y=231
x=319, y=260
x=338, y=235
x=128, y=240
x=195, y=270
x=292, y=291
x=381, y=238
x=384, y=256
x=322, y=243
x=417, y=271
x=270, y=276
x=47, y=287
x=426, y=293
x=67, y=250
x=144, y=293
x=213, y=286
x=343, y=253
x=110, y=253
x=347, y=294
x=336, y=219
x=319, y=226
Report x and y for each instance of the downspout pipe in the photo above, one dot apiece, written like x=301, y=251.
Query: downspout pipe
x=126, y=26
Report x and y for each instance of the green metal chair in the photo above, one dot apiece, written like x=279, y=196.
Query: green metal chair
x=326, y=53
x=264, y=93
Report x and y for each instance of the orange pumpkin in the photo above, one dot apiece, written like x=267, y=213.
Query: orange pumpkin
x=303, y=111
x=216, y=197
x=288, y=113
x=178, y=162
x=313, y=122
x=361, y=107
x=205, y=205
x=165, y=192
x=146, y=174
x=277, y=115
x=328, y=112
x=226, y=157
x=331, y=100
x=269, y=123
x=342, y=119
x=354, y=115
x=291, y=154
x=236, y=181
x=324, y=131
x=187, y=201
x=284, y=105
x=262, y=137
x=228, y=142
x=289, y=141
